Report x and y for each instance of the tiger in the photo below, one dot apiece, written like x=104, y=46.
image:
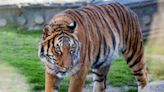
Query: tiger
x=76, y=41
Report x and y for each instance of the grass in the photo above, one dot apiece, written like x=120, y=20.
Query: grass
x=19, y=49
x=120, y=74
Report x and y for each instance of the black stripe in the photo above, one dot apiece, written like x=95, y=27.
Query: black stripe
x=113, y=38
x=42, y=52
x=53, y=42
x=123, y=11
x=110, y=30
x=42, y=49
x=50, y=67
x=117, y=9
x=113, y=19
x=120, y=14
x=112, y=35
x=102, y=39
x=99, y=75
x=137, y=60
x=96, y=64
x=105, y=46
x=104, y=82
x=134, y=51
x=130, y=32
x=97, y=59
x=114, y=8
x=100, y=17
x=56, y=88
x=99, y=64
x=98, y=32
x=141, y=80
x=138, y=74
x=139, y=69
x=100, y=80
x=69, y=35
x=123, y=51
x=48, y=45
x=85, y=28
x=125, y=14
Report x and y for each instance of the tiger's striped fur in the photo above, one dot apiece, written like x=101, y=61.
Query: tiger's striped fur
x=95, y=35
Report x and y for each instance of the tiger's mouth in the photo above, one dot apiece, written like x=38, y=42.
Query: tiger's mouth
x=61, y=72
x=69, y=72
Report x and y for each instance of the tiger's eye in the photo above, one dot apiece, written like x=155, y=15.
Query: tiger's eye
x=72, y=51
x=73, y=45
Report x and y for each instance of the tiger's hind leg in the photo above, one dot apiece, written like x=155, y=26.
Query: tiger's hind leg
x=100, y=79
x=135, y=60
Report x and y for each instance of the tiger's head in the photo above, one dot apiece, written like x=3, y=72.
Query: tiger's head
x=59, y=48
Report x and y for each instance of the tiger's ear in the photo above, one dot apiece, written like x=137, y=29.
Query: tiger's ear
x=46, y=31
x=72, y=25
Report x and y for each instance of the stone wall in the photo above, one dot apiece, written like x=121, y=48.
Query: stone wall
x=34, y=16
x=30, y=16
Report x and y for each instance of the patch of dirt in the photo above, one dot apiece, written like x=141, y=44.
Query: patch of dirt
x=156, y=56
x=11, y=81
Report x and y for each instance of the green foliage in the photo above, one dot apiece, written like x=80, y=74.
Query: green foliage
x=64, y=85
x=120, y=74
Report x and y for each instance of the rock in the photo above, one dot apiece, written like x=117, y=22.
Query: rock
x=112, y=89
x=154, y=87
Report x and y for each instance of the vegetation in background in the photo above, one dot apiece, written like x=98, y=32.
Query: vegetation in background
x=155, y=58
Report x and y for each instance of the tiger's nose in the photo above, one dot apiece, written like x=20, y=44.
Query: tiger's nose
x=67, y=67
x=63, y=70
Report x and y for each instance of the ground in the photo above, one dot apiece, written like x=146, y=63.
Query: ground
x=11, y=80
